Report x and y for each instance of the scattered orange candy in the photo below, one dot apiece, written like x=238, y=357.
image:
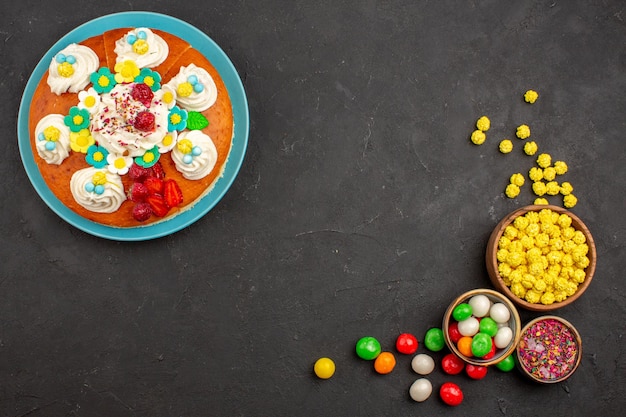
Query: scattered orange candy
x=384, y=363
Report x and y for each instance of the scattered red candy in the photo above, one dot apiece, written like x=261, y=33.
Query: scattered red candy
x=137, y=192
x=158, y=205
x=172, y=193
x=144, y=121
x=452, y=364
x=406, y=343
x=142, y=212
x=475, y=371
x=451, y=394
x=142, y=93
x=492, y=352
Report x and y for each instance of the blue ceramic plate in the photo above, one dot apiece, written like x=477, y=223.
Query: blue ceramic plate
x=222, y=64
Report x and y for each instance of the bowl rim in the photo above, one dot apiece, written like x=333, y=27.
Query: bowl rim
x=514, y=320
x=579, y=353
x=492, y=262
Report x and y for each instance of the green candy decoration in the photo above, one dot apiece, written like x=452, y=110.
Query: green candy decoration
x=462, y=312
x=433, y=340
x=481, y=344
x=196, y=121
x=368, y=348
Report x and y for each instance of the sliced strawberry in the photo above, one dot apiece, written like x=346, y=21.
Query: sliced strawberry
x=154, y=185
x=144, y=121
x=142, y=212
x=157, y=171
x=172, y=193
x=157, y=205
x=137, y=192
x=142, y=93
x=138, y=173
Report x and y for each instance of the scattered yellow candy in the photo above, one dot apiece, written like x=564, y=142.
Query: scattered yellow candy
x=506, y=146
x=535, y=174
x=523, y=132
x=553, y=188
x=517, y=179
x=544, y=160
x=324, y=368
x=549, y=173
x=566, y=188
x=560, y=167
x=530, y=148
x=540, y=201
x=539, y=188
x=512, y=191
x=570, y=200
x=531, y=96
x=483, y=124
x=478, y=137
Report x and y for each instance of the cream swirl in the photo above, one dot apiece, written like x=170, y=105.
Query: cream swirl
x=143, y=46
x=108, y=200
x=195, y=88
x=52, y=138
x=199, y=156
x=70, y=69
x=113, y=125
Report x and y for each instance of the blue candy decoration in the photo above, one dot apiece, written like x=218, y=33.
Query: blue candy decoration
x=50, y=146
x=198, y=88
x=99, y=189
x=192, y=79
x=89, y=187
x=60, y=58
x=131, y=39
x=41, y=136
x=196, y=150
x=70, y=59
x=188, y=159
x=142, y=35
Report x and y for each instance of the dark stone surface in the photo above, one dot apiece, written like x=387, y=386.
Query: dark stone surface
x=361, y=209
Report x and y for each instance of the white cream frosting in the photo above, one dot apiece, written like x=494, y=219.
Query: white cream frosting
x=62, y=145
x=196, y=101
x=107, y=202
x=201, y=165
x=86, y=63
x=112, y=125
x=157, y=52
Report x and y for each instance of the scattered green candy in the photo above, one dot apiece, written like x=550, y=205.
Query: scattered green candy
x=368, y=348
x=507, y=364
x=488, y=326
x=433, y=340
x=481, y=344
x=462, y=312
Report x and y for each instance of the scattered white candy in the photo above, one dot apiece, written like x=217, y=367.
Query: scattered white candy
x=480, y=305
x=469, y=326
x=503, y=337
x=423, y=364
x=420, y=390
x=500, y=313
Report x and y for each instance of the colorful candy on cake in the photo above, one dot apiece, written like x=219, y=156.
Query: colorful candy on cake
x=130, y=127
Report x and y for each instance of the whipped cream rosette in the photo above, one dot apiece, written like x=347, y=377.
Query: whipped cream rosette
x=195, y=154
x=143, y=46
x=98, y=190
x=195, y=88
x=52, y=138
x=70, y=69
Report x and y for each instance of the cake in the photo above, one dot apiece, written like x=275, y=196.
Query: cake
x=130, y=127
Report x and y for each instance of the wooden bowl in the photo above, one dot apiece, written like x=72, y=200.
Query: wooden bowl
x=535, y=366
x=492, y=261
x=513, y=323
